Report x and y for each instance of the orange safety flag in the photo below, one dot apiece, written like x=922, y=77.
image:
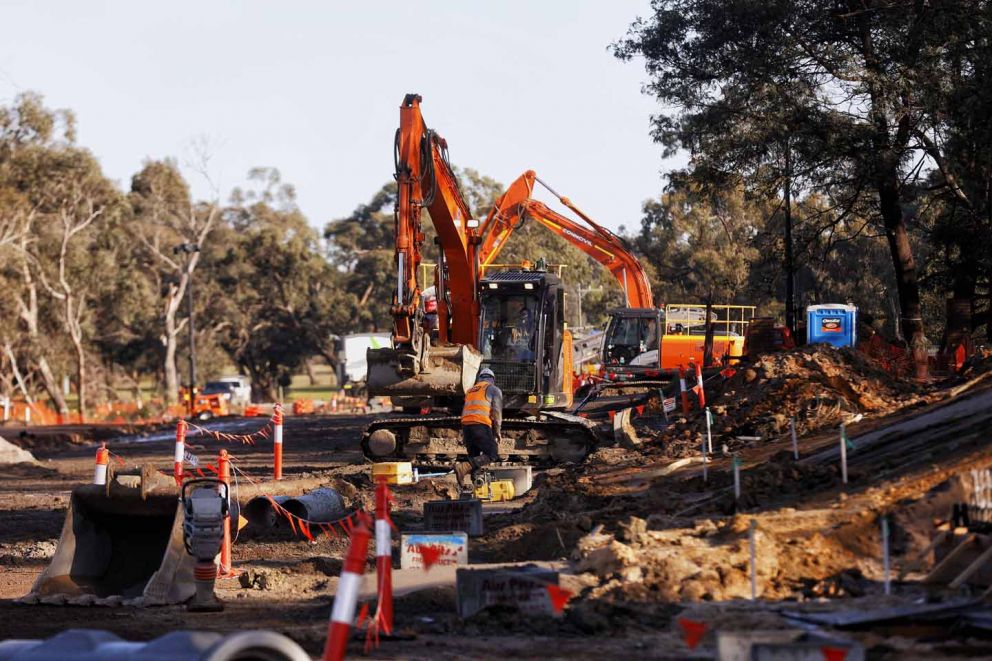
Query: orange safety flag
x=363, y=615
x=559, y=597
x=242, y=522
x=692, y=631
x=429, y=555
x=305, y=529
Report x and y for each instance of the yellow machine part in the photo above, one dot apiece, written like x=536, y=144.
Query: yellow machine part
x=394, y=472
x=496, y=491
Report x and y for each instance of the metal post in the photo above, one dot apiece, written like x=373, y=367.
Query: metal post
x=754, y=569
x=192, y=337
x=885, y=556
x=843, y=455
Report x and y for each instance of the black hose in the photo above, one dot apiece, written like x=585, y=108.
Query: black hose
x=428, y=178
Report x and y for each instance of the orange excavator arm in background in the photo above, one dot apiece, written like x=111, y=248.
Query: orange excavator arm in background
x=425, y=181
x=516, y=205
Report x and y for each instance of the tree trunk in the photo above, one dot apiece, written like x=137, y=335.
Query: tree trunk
x=171, y=339
x=911, y=314
x=81, y=379
x=708, y=339
x=51, y=385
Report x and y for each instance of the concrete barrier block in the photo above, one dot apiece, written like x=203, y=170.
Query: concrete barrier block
x=524, y=588
x=463, y=515
x=781, y=645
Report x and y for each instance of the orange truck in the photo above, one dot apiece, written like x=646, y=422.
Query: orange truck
x=205, y=405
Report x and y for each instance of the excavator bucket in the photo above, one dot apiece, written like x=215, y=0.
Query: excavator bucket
x=448, y=370
x=121, y=543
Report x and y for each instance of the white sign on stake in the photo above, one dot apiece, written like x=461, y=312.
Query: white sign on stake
x=885, y=555
x=843, y=454
x=736, y=463
x=191, y=459
x=709, y=432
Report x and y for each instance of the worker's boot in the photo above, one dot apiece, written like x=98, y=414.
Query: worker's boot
x=462, y=470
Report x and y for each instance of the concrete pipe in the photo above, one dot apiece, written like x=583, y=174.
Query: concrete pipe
x=259, y=511
x=320, y=505
x=93, y=645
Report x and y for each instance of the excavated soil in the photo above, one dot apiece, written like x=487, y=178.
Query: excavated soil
x=818, y=387
x=644, y=541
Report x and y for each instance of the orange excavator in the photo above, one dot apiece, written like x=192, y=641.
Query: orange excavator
x=517, y=205
x=511, y=322
x=641, y=341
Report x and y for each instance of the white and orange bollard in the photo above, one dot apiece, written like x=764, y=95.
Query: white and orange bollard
x=699, y=384
x=384, y=554
x=224, y=472
x=346, y=597
x=180, y=455
x=277, y=440
x=684, y=391
x=102, y=464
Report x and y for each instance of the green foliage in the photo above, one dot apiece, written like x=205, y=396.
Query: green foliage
x=282, y=300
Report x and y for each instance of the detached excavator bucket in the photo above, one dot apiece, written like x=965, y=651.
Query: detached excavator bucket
x=442, y=371
x=122, y=542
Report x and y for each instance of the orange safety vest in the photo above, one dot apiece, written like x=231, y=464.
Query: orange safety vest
x=477, y=407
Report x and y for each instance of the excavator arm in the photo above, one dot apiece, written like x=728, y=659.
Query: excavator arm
x=517, y=205
x=425, y=181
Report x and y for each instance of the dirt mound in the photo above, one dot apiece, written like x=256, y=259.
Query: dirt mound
x=709, y=562
x=817, y=385
x=12, y=454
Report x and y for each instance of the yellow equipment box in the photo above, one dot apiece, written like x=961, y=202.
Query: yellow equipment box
x=496, y=491
x=395, y=472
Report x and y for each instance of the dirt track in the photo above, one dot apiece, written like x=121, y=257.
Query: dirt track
x=820, y=546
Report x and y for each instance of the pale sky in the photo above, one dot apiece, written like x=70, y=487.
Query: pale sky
x=313, y=89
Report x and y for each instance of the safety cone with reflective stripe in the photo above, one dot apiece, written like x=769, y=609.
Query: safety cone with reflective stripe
x=277, y=439
x=384, y=554
x=685, y=393
x=102, y=462
x=699, y=386
x=346, y=597
x=180, y=455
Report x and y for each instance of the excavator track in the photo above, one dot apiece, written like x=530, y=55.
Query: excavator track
x=548, y=438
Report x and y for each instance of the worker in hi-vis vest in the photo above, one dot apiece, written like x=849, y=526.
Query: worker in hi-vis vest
x=481, y=420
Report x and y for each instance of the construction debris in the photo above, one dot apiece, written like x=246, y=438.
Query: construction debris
x=817, y=386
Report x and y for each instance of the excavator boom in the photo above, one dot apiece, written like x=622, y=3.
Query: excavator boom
x=413, y=367
x=517, y=205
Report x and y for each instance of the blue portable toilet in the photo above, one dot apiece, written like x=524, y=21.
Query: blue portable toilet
x=832, y=323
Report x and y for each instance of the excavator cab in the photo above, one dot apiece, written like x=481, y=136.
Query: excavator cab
x=521, y=337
